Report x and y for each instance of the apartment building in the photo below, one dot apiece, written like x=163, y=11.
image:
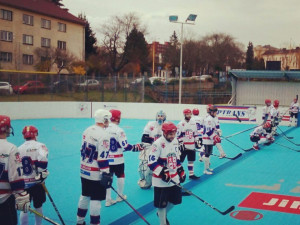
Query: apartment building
x=26, y=25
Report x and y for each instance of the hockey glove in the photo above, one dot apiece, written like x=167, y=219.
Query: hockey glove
x=198, y=144
x=137, y=147
x=216, y=139
x=106, y=180
x=41, y=176
x=181, y=174
x=181, y=147
x=219, y=132
x=165, y=175
x=22, y=201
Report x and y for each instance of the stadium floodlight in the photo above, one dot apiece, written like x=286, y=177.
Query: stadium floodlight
x=174, y=19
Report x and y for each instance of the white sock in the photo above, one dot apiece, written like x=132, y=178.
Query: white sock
x=191, y=168
x=162, y=214
x=82, y=208
x=38, y=219
x=23, y=218
x=219, y=147
x=206, y=162
x=108, y=194
x=120, y=182
x=95, y=207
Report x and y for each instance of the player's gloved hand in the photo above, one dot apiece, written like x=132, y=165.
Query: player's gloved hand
x=106, y=180
x=181, y=174
x=181, y=147
x=138, y=147
x=41, y=176
x=165, y=174
x=198, y=144
x=216, y=139
x=22, y=201
x=219, y=131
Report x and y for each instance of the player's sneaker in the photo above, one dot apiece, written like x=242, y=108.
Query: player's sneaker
x=210, y=169
x=119, y=199
x=110, y=202
x=223, y=155
x=194, y=177
x=207, y=172
x=255, y=147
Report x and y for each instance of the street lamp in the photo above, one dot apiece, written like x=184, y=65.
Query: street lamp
x=174, y=19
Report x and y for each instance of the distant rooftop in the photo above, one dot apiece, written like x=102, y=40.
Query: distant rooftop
x=44, y=7
x=265, y=74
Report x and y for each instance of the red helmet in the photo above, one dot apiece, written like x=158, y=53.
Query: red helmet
x=187, y=111
x=168, y=127
x=195, y=112
x=267, y=125
x=207, y=107
x=4, y=124
x=276, y=103
x=30, y=132
x=267, y=101
x=115, y=115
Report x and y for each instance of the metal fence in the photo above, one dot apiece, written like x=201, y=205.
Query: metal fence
x=58, y=87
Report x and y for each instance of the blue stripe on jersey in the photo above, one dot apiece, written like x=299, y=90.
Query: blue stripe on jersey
x=160, y=162
x=17, y=185
x=85, y=172
x=178, y=163
x=218, y=126
x=182, y=134
x=129, y=147
x=210, y=132
x=153, y=166
x=103, y=164
x=4, y=176
x=41, y=164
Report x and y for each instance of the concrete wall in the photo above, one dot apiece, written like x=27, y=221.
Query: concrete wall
x=37, y=110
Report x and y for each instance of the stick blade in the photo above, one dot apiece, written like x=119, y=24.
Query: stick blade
x=228, y=210
x=237, y=156
x=247, y=150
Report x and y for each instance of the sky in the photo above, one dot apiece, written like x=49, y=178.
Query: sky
x=261, y=22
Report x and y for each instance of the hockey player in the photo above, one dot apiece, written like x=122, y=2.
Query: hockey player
x=260, y=136
x=210, y=137
x=294, y=110
x=34, y=156
x=266, y=110
x=94, y=169
x=12, y=194
x=151, y=133
x=165, y=164
x=275, y=118
x=118, y=144
x=187, y=135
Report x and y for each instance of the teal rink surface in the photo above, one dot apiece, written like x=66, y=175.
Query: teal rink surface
x=272, y=170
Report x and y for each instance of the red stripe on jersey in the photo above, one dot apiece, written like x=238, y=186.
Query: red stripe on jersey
x=89, y=168
x=115, y=156
x=172, y=175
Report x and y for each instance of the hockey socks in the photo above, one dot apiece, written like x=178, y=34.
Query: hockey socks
x=82, y=208
x=95, y=207
x=191, y=168
x=120, y=182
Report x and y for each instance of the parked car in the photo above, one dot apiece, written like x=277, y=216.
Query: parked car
x=30, y=87
x=152, y=79
x=5, y=88
x=61, y=86
x=90, y=84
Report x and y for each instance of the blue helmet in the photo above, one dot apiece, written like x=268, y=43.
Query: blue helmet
x=161, y=117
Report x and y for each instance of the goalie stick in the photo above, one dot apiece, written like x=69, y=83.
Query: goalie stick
x=44, y=217
x=296, y=150
x=231, y=208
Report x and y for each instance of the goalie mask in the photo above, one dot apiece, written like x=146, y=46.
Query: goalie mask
x=30, y=132
x=5, y=126
x=161, y=117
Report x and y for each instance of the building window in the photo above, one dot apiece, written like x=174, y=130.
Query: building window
x=46, y=42
x=6, y=14
x=27, y=59
x=6, y=35
x=27, y=39
x=62, y=27
x=5, y=56
x=62, y=45
x=46, y=24
x=28, y=19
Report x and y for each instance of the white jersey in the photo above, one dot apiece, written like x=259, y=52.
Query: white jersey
x=164, y=154
x=209, y=130
x=266, y=112
x=11, y=179
x=274, y=112
x=199, y=124
x=34, y=156
x=94, y=152
x=294, y=108
x=259, y=131
x=118, y=143
x=187, y=133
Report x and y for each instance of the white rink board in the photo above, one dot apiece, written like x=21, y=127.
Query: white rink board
x=38, y=110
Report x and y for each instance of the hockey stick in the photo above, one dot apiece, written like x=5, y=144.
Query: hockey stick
x=232, y=158
x=296, y=150
x=238, y=118
x=54, y=206
x=44, y=217
x=140, y=215
x=245, y=150
x=206, y=203
x=285, y=134
x=240, y=132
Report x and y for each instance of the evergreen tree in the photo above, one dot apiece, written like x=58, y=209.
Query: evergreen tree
x=90, y=39
x=172, y=53
x=249, y=57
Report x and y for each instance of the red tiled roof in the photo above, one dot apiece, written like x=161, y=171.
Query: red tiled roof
x=44, y=7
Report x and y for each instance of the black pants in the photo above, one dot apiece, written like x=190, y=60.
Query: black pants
x=8, y=212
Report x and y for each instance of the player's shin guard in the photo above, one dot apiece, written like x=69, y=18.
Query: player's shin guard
x=191, y=168
x=120, y=182
x=95, y=207
x=38, y=219
x=108, y=194
x=206, y=165
x=23, y=218
x=162, y=214
x=82, y=208
x=221, y=151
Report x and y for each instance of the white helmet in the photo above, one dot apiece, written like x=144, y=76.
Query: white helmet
x=101, y=115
